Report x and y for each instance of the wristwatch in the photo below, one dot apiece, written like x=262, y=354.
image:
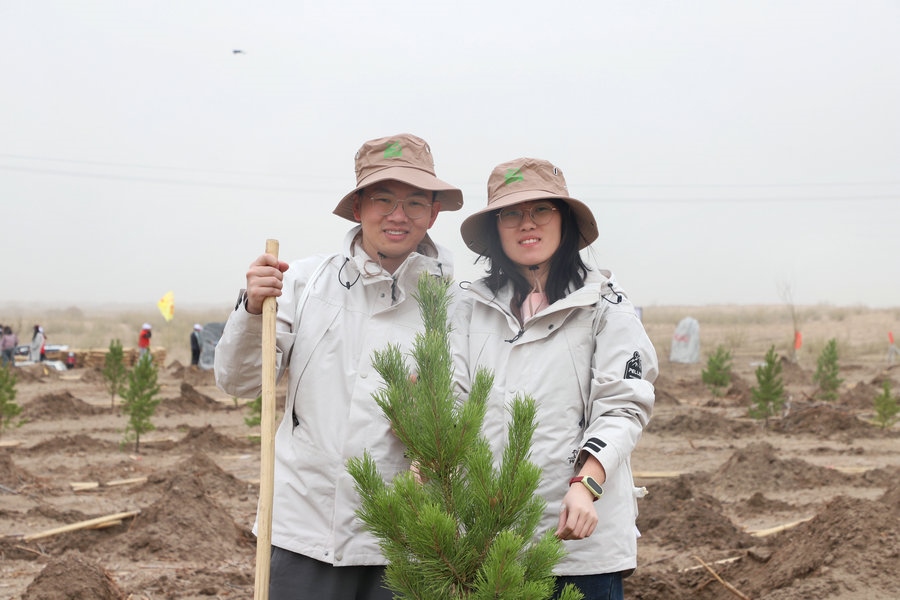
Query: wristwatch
x=590, y=483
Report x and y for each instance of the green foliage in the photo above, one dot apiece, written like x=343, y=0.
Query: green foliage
x=114, y=372
x=826, y=375
x=254, y=410
x=768, y=395
x=886, y=407
x=9, y=408
x=717, y=375
x=463, y=529
x=140, y=400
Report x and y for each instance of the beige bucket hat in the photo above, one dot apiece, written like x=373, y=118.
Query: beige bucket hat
x=403, y=157
x=521, y=180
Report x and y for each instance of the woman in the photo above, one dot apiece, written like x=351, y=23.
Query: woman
x=36, y=349
x=567, y=335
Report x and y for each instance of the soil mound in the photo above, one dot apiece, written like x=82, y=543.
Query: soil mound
x=794, y=375
x=93, y=376
x=183, y=521
x=758, y=504
x=823, y=420
x=12, y=476
x=104, y=473
x=72, y=577
x=679, y=390
x=59, y=406
x=700, y=424
x=208, y=439
x=861, y=396
x=199, y=465
x=189, y=401
x=73, y=444
x=757, y=467
x=675, y=514
x=34, y=373
x=851, y=534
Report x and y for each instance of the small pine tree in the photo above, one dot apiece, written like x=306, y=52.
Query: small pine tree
x=254, y=412
x=768, y=395
x=886, y=407
x=114, y=371
x=140, y=400
x=466, y=529
x=826, y=375
x=9, y=408
x=717, y=375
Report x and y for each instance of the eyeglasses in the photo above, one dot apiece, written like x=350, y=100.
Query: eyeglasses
x=540, y=214
x=414, y=208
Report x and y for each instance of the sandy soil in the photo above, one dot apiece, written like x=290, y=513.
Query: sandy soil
x=715, y=479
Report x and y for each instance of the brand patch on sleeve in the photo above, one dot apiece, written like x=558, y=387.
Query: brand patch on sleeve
x=633, y=368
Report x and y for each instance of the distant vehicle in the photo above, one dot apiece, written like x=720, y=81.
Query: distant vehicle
x=53, y=351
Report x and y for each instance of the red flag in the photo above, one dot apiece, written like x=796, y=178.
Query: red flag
x=891, y=337
x=798, y=340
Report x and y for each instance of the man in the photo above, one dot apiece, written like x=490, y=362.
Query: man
x=333, y=313
x=196, y=344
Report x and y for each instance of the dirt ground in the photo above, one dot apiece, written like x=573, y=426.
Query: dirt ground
x=716, y=481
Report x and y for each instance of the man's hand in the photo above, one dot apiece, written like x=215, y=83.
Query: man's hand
x=264, y=279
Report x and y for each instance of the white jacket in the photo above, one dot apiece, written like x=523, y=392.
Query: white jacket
x=353, y=309
x=578, y=359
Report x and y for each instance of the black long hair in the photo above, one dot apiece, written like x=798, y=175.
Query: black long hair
x=567, y=270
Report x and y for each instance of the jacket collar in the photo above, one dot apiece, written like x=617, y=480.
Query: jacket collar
x=597, y=284
x=428, y=257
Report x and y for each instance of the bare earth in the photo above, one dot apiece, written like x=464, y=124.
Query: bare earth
x=713, y=476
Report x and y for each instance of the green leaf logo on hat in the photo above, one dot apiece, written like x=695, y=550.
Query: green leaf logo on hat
x=513, y=175
x=393, y=150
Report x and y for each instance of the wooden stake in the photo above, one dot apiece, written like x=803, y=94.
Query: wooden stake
x=727, y=585
x=776, y=529
x=267, y=447
x=89, y=524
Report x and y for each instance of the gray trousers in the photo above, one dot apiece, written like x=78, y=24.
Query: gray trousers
x=293, y=576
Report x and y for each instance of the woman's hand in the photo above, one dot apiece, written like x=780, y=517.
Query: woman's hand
x=578, y=517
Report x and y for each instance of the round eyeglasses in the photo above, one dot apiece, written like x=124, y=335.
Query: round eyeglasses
x=414, y=208
x=540, y=214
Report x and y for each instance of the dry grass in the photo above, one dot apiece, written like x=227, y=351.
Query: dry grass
x=747, y=331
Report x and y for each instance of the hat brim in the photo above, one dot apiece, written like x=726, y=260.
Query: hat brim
x=450, y=197
x=476, y=227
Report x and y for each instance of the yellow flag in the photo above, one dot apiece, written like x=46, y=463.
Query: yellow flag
x=166, y=306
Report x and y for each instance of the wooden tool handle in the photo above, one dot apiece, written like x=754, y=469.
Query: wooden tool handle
x=267, y=447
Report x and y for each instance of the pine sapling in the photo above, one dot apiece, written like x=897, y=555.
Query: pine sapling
x=114, y=371
x=462, y=528
x=140, y=400
x=826, y=375
x=886, y=407
x=9, y=408
x=717, y=375
x=768, y=395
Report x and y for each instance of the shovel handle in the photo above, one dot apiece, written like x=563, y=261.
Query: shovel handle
x=267, y=447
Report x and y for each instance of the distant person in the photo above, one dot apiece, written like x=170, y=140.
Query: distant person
x=144, y=340
x=36, y=348
x=196, y=345
x=8, y=344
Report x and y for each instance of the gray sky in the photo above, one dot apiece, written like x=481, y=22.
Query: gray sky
x=729, y=150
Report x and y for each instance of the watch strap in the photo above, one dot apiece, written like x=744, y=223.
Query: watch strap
x=590, y=483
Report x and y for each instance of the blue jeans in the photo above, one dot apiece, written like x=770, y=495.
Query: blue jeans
x=606, y=586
